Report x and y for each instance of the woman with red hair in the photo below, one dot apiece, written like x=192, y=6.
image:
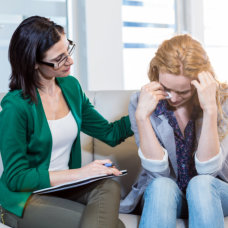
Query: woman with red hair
x=180, y=125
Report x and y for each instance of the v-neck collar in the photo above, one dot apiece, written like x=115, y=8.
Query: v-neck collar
x=68, y=101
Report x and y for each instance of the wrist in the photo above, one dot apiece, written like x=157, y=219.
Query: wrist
x=141, y=116
x=74, y=174
x=211, y=111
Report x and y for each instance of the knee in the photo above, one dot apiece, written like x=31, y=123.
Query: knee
x=161, y=186
x=110, y=186
x=200, y=185
x=202, y=194
x=161, y=183
x=161, y=197
x=200, y=182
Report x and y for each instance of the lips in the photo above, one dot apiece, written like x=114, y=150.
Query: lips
x=67, y=69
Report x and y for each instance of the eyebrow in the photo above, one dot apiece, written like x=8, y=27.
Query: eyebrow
x=60, y=55
x=184, y=91
x=54, y=59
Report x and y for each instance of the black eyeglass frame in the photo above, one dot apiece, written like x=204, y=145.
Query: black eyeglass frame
x=56, y=65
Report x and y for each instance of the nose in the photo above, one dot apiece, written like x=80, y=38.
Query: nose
x=174, y=97
x=69, y=60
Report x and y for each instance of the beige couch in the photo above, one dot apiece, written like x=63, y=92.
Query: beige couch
x=112, y=105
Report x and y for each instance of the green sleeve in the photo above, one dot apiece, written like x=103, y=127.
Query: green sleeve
x=95, y=125
x=18, y=173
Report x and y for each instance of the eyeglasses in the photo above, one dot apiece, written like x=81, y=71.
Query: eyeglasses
x=59, y=64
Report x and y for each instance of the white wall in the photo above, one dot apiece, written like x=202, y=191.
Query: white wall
x=104, y=44
x=12, y=12
x=95, y=26
x=98, y=33
x=7, y=25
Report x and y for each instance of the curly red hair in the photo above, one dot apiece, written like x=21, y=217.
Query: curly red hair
x=183, y=55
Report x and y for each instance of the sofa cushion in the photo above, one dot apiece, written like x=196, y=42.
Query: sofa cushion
x=113, y=105
x=129, y=220
x=3, y=226
x=86, y=140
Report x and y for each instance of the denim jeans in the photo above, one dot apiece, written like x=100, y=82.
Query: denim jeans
x=205, y=203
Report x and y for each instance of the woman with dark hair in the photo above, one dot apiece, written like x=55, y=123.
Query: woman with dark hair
x=40, y=125
x=180, y=121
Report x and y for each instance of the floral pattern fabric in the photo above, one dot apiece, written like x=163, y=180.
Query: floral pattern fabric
x=185, y=145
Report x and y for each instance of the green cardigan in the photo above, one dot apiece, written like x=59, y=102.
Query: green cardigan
x=26, y=141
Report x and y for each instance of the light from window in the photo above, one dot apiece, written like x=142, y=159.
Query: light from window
x=216, y=35
x=146, y=24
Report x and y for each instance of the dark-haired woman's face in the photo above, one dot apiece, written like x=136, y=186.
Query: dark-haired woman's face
x=54, y=55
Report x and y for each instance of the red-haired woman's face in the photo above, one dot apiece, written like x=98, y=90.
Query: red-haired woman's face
x=179, y=87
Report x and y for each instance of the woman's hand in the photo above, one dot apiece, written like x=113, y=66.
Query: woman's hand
x=97, y=167
x=150, y=95
x=206, y=89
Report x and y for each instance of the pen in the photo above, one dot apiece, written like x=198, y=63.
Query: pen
x=109, y=164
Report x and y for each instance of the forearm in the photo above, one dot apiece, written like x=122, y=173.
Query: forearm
x=63, y=176
x=95, y=125
x=150, y=95
x=211, y=166
x=120, y=130
x=208, y=146
x=149, y=143
x=94, y=168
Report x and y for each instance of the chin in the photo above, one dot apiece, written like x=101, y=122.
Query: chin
x=67, y=70
x=179, y=104
x=175, y=105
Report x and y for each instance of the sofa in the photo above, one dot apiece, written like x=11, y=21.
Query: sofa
x=112, y=105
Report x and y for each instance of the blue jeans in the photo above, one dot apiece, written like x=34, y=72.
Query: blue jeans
x=206, y=203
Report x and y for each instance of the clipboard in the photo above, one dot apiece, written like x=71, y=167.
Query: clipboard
x=77, y=183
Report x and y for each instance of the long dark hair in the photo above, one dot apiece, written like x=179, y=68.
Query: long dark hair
x=32, y=38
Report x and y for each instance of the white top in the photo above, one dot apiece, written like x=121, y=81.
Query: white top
x=64, y=132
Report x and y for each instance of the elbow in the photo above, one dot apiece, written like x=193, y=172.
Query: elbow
x=112, y=143
x=213, y=171
x=16, y=184
x=208, y=169
x=212, y=166
x=115, y=143
x=11, y=183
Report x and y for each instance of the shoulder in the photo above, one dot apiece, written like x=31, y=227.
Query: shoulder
x=14, y=99
x=14, y=107
x=71, y=86
x=133, y=105
x=72, y=89
x=134, y=99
